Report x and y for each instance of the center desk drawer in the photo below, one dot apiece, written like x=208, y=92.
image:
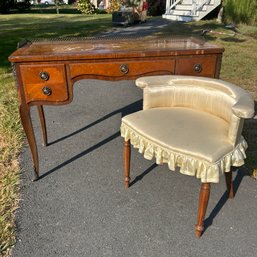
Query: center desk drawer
x=121, y=69
x=44, y=82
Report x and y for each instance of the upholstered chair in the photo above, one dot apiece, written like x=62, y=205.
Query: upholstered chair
x=193, y=123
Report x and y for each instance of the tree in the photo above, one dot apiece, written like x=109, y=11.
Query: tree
x=114, y=6
x=56, y=2
x=86, y=7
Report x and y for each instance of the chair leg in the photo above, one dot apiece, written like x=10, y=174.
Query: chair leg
x=229, y=183
x=127, y=153
x=203, y=202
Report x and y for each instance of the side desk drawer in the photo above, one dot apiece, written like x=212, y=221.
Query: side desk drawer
x=123, y=69
x=44, y=82
x=196, y=66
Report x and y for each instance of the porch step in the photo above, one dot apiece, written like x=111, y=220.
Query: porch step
x=177, y=17
x=189, y=10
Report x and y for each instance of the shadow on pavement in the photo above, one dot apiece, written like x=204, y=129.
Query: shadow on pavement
x=237, y=181
x=140, y=177
x=136, y=106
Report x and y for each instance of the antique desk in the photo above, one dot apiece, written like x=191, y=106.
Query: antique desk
x=47, y=70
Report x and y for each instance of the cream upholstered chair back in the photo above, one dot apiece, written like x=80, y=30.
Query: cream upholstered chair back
x=193, y=123
x=214, y=96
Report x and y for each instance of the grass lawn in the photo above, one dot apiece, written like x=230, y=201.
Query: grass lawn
x=14, y=28
x=238, y=66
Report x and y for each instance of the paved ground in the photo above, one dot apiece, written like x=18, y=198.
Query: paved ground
x=80, y=207
x=144, y=29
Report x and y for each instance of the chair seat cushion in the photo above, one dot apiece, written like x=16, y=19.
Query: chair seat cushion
x=194, y=140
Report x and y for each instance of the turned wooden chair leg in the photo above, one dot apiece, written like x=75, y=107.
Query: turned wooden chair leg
x=229, y=183
x=203, y=203
x=127, y=153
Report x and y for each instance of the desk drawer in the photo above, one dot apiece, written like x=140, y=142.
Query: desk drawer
x=44, y=82
x=197, y=66
x=123, y=69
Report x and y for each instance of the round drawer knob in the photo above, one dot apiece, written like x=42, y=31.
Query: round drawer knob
x=198, y=67
x=47, y=91
x=124, y=68
x=44, y=75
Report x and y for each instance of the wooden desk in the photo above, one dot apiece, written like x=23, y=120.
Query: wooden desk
x=46, y=71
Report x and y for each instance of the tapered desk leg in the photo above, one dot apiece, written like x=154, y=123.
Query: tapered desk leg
x=43, y=123
x=27, y=126
x=229, y=183
x=203, y=203
x=127, y=153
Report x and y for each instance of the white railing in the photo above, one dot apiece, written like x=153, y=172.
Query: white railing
x=198, y=5
x=170, y=4
x=197, y=9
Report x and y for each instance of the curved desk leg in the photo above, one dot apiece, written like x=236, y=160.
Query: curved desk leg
x=27, y=126
x=43, y=123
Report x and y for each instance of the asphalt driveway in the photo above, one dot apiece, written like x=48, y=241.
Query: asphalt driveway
x=80, y=207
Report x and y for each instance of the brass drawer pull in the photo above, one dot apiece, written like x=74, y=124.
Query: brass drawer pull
x=47, y=91
x=124, y=68
x=198, y=67
x=44, y=75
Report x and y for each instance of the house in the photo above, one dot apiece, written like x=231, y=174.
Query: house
x=189, y=10
x=106, y=3
x=97, y=2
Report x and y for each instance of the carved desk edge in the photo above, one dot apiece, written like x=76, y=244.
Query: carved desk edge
x=74, y=58
x=46, y=70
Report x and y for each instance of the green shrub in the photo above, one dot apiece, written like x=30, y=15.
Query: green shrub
x=132, y=3
x=114, y=6
x=156, y=7
x=86, y=7
x=23, y=5
x=240, y=11
x=6, y=5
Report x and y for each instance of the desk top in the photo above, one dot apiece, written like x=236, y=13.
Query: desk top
x=102, y=48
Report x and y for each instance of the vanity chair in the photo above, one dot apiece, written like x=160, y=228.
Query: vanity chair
x=193, y=123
